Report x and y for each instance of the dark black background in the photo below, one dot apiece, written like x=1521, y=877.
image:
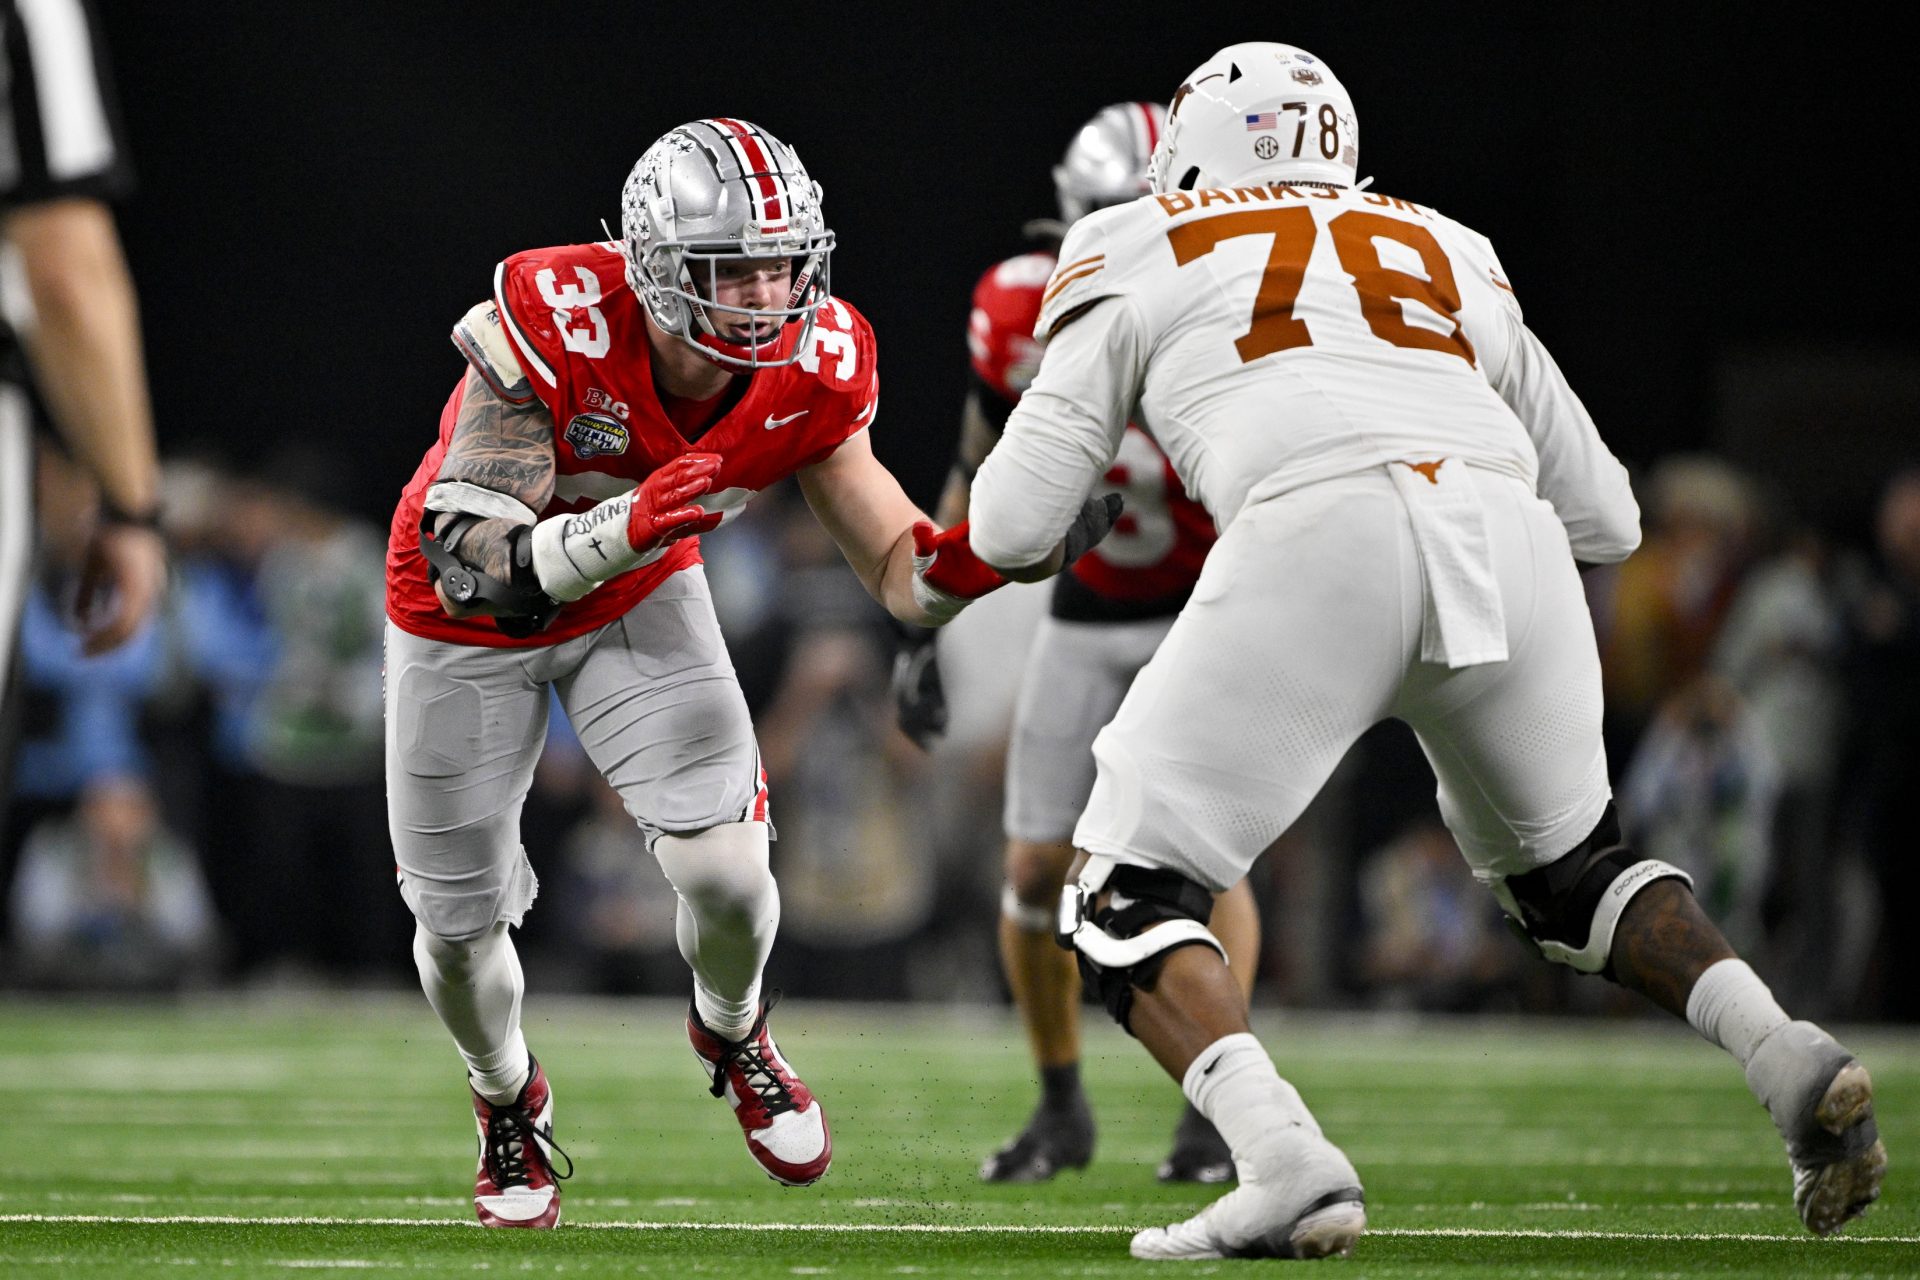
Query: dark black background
x=325, y=188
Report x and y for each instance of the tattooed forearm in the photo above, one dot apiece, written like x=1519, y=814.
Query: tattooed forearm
x=504, y=447
x=1663, y=943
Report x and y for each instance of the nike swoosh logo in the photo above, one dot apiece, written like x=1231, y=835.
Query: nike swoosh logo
x=773, y=422
x=1208, y=1069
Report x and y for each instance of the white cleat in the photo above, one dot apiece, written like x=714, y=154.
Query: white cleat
x=1298, y=1199
x=1821, y=1100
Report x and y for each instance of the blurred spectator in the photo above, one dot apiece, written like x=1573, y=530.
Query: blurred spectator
x=315, y=729
x=1665, y=604
x=619, y=904
x=279, y=619
x=1882, y=770
x=1432, y=935
x=103, y=895
x=107, y=898
x=1701, y=794
x=1781, y=650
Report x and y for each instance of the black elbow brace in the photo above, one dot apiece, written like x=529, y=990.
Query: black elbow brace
x=524, y=608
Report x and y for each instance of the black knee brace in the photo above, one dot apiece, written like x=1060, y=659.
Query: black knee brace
x=1118, y=947
x=1569, y=908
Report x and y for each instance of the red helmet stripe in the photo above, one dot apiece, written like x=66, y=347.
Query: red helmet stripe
x=760, y=169
x=1153, y=130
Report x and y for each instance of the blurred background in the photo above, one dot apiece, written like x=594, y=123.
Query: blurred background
x=1689, y=205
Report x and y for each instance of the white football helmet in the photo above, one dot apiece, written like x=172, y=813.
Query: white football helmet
x=1106, y=163
x=715, y=190
x=1258, y=112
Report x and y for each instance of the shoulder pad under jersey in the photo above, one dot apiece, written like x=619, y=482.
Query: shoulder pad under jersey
x=550, y=302
x=483, y=340
x=841, y=351
x=1091, y=266
x=1006, y=304
x=1476, y=253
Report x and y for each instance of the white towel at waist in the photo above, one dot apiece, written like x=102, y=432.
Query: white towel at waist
x=1463, y=622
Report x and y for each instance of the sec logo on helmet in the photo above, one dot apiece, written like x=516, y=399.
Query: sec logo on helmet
x=592, y=434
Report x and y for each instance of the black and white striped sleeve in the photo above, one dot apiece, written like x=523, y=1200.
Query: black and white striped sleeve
x=60, y=131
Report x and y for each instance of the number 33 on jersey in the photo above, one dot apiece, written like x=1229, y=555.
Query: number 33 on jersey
x=564, y=328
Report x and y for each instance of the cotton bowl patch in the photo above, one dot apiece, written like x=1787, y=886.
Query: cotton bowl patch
x=592, y=434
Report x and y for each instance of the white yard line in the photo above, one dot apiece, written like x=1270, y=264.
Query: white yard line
x=927, y=1228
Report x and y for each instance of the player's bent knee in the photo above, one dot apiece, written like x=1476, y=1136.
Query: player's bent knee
x=1035, y=874
x=454, y=959
x=721, y=868
x=1570, y=907
x=1122, y=948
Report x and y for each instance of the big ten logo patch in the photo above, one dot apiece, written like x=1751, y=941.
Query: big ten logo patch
x=598, y=399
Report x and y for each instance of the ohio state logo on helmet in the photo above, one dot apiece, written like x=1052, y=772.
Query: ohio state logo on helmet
x=725, y=191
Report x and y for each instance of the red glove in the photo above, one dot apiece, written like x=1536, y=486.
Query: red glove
x=661, y=510
x=947, y=576
x=572, y=555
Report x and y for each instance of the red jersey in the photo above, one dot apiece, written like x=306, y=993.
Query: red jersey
x=581, y=336
x=1150, y=561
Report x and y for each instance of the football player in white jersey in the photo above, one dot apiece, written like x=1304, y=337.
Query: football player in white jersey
x=1405, y=487
x=1107, y=616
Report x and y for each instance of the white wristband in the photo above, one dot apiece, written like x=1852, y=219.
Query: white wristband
x=941, y=606
x=574, y=554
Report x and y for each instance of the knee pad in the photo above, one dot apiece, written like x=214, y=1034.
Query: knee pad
x=1122, y=946
x=722, y=868
x=1570, y=907
x=463, y=915
x=456, y=959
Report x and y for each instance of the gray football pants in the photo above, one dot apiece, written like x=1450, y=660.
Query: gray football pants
x=653, y=698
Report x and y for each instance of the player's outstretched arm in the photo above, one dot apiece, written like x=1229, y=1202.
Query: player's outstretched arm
x=508, y=450
x=871, y=518
x=1031, y=514
x=921, y=574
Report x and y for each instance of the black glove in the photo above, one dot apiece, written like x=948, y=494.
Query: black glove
x=919, y=699
x=1094, y=522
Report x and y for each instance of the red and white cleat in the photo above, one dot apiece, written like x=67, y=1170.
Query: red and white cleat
x=785, y=1125
x=516, y=1185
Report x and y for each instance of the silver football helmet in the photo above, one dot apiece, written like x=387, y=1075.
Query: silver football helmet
x=1258, y=113
x=1107, y=161
x=723, y=190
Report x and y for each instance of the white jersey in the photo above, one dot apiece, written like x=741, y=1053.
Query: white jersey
x=1274, y=337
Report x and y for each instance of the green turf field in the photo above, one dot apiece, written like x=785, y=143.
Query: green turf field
x=272, y=1138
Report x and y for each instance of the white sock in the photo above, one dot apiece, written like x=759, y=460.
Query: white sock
x=1234, y=1084
x=1730, y=1006
x=729, y=912
x=475, y=987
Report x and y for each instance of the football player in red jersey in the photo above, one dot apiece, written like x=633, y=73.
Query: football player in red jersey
x=1107, y=617
x=621, y=398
